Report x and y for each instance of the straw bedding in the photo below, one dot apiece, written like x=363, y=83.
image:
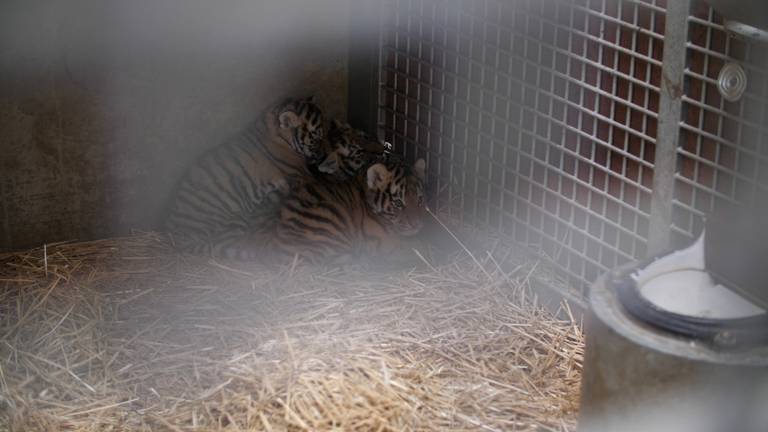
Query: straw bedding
x=123, y=334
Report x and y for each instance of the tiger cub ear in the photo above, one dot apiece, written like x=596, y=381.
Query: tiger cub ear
x=379, y=177
x=419, y=168
x=288, y=119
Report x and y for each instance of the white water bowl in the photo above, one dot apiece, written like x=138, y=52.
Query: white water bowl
x=693, y=293
x=679, y=283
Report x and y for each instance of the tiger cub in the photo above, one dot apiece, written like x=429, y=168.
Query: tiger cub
x=232, y=190
x=350, y=151
x=323, y=220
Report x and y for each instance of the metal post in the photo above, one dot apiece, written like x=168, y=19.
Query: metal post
x=670, y=108
x=363, y=69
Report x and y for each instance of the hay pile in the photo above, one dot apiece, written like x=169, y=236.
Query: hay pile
x=123, y=334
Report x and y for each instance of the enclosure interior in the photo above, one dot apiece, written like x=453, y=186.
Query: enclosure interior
x=562, y=139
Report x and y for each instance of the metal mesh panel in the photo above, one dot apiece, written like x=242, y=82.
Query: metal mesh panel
x=723, y=157
x=536, y=118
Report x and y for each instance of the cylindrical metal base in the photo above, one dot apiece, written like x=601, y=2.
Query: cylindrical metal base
x=638, y=379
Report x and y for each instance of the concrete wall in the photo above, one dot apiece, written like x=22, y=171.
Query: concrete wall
x=104, y=102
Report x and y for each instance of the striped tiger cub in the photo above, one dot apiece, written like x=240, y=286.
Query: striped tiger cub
x=351, y=150
x=331, y=221
x=232, y=190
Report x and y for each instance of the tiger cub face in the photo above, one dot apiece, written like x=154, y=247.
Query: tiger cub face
x=350, y=151
x=305, y=122
x=395, y=192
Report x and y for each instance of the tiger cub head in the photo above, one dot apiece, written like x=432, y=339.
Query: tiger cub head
x=395, y=192
x=350, y=151
x=305, y=122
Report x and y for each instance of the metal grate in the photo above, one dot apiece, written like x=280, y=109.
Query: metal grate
x=723, y=157
x=541, y=119
x=536, y=118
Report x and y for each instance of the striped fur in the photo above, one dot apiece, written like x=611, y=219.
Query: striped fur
x=324, y=220
x=232, y=191
x=351, y=150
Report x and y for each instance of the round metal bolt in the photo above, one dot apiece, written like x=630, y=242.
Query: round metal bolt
x=732, y=81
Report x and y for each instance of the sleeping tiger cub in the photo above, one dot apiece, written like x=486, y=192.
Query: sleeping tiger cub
x=350, y=151
x=324, y=220
x=232, y=189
